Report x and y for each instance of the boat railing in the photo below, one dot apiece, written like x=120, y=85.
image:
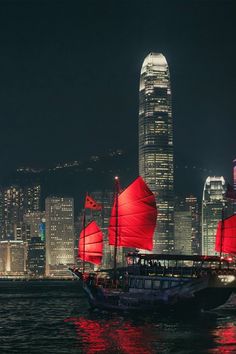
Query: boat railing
x=193, y=272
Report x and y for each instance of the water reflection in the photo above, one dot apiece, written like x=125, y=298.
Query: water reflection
x=206, y=333
x=100, y=335
x=225, y=338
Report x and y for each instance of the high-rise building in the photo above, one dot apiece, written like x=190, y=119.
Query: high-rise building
x=183, y=227
x=156, y=145
x=36, y=222
x=232, y=202
x=213, y=202
x=13, y=210
x=187, y=226
x=17, y=200
x=32, y=198
x=192, y=204
x=234, y=173
x=21, y=232
x=59, y=235
x=13, y=256
x=1, y=215
x=36, y=257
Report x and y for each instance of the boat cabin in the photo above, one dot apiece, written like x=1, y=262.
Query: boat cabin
x=174, y=265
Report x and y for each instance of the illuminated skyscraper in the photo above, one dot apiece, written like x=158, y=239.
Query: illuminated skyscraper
x=192, y=203
x=234, y=173
x=13, y=256
x=36, y=222
x=212, y=204
x=156, y=145
x=36, y=257
x=187, y=226
x=15, y=202
x=59, y=235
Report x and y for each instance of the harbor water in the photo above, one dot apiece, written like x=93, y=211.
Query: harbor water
x=54, y=317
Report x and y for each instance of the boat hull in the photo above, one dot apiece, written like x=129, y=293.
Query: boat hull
x=203, y=301
x=182, y=294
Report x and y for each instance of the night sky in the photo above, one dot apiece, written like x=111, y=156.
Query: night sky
x=70, y=77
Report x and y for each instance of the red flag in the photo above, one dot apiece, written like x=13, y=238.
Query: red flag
x=90, y=203
x=230, y=192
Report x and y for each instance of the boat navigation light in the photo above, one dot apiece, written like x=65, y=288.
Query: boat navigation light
x=116, y=178
x=225, y=279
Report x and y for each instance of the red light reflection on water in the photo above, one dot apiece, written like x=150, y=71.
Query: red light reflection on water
x=111, y=335
x=225, y=339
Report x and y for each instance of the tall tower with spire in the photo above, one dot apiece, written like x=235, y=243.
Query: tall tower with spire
x=156, y=145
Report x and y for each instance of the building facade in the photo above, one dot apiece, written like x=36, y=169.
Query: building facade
x=156, y=145
x=213, y=202
x=187, y=226
x=59, y=215
x=183, y=227
x=192, y=204
x=15, y=202
x=13, y=258
x=36, y=222
x=36, y=257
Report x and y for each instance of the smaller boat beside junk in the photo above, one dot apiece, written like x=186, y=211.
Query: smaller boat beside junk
x=151, y=282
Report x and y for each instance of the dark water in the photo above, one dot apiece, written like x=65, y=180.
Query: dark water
x=55, y=318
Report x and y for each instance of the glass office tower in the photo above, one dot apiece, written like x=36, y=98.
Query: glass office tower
x=156, y=145
x=59, y=235
x=213, y=202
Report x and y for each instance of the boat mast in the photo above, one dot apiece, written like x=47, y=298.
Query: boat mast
x=84, y=223
x=116, y=225
x=221, y=234
x=84, y=241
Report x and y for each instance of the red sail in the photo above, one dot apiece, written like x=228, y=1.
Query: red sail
x=90, y=244
x=137, y=216
x=226, y=235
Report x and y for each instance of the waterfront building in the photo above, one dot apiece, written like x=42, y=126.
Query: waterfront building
x=156, y=145
x=13, y=204
x=213, y=202
x=36, y=257
x=16, y=201
x=59, y=235
x=1, y=215
x=13, y=257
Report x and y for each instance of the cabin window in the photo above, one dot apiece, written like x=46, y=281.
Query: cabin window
x=132, y=283
x=165, y=284
x=148, y=284
x=156, y=284
x=139, y=283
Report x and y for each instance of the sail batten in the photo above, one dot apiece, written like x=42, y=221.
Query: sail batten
x=226, y=235
x=136, y=217
x=91, y=244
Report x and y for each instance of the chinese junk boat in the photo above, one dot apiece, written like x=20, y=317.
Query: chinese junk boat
x=151, y=282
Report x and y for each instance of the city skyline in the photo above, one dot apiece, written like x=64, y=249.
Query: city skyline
x=55, y=55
